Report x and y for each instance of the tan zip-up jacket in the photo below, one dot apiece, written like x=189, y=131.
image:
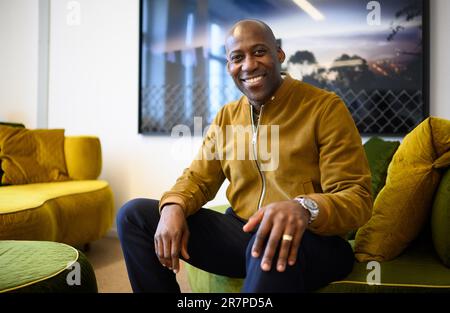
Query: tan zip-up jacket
x=306, y=143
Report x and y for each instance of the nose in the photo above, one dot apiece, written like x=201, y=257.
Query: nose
x=249, y=64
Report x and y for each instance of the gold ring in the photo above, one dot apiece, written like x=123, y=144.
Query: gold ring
x=287, y=237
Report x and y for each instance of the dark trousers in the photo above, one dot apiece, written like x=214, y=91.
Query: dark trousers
x=218, y=245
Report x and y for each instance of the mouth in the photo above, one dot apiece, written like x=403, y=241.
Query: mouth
x=252, y=81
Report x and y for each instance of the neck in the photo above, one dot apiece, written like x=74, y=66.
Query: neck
x=256, y=106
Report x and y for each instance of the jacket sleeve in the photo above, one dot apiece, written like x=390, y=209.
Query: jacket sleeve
x=346, y=201
x=199, y=182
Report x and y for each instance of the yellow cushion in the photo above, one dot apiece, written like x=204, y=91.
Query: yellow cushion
x=403, y=205
x=83, y=157
x=73, y=212
x=24, y=197
x=32, y=156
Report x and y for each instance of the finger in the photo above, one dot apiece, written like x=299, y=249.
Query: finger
x=159, y=249
x=285, y=247
x=260, y=237
x=296, y=244
x=271, y=247
x=166, y=258
x=184, y=245
x=175, y=252
x=253, y=221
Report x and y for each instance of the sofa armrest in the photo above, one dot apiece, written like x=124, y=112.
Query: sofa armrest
x=83, y=157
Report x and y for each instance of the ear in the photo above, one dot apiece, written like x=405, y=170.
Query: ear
x=228, y=66
x=281, y=55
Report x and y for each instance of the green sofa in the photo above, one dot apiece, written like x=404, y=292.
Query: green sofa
x=418, y=269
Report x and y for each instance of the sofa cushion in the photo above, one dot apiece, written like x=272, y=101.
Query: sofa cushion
x=73, y=212
x=83, y=157
x=11, y=125
x=202, y=281
x=418, y=269
x=42, y=266
x=31, y=196
x=32, y=156
x=440, y=219
x=403, y=205
x=379, y=154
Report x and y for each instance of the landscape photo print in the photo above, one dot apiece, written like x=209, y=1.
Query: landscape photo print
x=373, y=54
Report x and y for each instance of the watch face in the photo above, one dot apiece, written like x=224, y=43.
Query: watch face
x=311, y=204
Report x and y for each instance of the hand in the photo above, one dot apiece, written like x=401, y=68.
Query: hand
x=277, y=219
x=171, y=234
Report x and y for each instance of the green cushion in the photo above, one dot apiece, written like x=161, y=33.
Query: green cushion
x=220, y=208
x=379, y=154
x=201, y=281
x=43, y=266
x=440, y=219
x=418, y=269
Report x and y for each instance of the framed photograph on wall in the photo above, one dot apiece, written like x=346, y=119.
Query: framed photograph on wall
x=373, y=54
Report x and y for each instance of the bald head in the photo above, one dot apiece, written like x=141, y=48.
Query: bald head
x=251, y=25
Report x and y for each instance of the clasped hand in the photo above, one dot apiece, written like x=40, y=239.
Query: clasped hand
x=277, y=220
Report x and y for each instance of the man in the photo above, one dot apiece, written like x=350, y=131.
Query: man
x=282, y=232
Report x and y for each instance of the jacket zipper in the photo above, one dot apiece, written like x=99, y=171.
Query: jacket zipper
x=255, y=153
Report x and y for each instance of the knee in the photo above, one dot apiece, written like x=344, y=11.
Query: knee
x=135, y=211
x=300, y=260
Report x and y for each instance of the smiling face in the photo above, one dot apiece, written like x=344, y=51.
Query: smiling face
x=254, y=60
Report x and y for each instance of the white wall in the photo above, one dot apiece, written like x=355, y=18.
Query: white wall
x=19, y=61
x=439, y=58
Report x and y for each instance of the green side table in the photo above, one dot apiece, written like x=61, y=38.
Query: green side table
x=44, y=266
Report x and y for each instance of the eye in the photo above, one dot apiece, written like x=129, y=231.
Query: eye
x=260, y=52
x=236, y=58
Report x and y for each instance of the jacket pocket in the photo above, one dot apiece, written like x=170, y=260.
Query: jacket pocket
x=308, y=186
x=295, y=186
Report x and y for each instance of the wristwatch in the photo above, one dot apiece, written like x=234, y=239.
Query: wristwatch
x=309, y=205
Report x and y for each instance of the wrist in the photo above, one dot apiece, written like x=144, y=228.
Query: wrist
x=171, y=207
x=310, y=206
x=306, y=214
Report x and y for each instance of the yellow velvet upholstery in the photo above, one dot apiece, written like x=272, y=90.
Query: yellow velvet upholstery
x=404, y=204
x=23, y=197
x=74, y=212
x=77, y=149
x=32, y=156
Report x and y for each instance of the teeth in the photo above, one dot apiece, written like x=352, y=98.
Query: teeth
x=253, y=79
